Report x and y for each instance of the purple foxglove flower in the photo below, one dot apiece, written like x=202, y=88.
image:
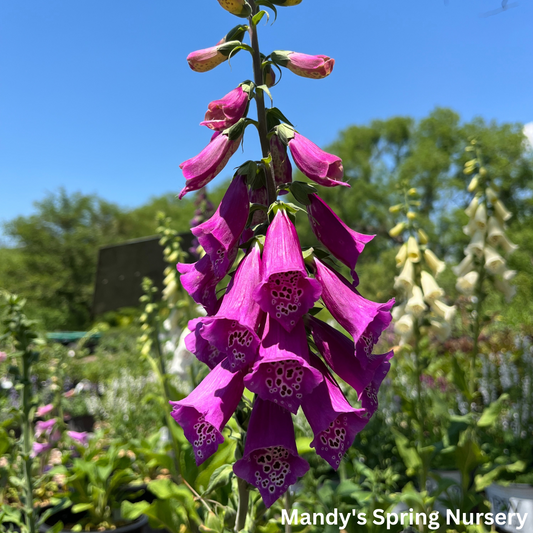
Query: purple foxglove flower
x=204, y=413
x=357, y=315
x=280, y=162
x=369, y=397
x=199, y=280
x=40, y=447
x=319, y=166
x=81, y=437
x=270, y=462
x=304, y=65
x=44, y=427
x=44, y=409
x=286, y=292
x=203, y=350
x=227, y=111
x=334, y=422
x=282, y=373
x=344, y=243
x=233, y=329
x=220, y=234
x=356, y=366
x=201, y=169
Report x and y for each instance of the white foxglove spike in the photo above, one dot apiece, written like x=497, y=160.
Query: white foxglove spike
x=467, y=283
x=464, y=266
x=431, y=290
x=436, y=265
x=405, y=280
x=494, y=262
x=416, y=304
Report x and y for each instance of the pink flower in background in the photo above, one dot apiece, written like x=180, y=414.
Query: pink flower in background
x=44, y=410
x=40, y=447
x=44, y=427
x=81, y=437
x=3, y=357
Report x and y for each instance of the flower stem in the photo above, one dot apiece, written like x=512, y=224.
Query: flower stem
x=242, y=510
x=476, y=330
x=260, y=103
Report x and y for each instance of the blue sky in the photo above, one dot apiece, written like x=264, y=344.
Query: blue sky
x=96, y=96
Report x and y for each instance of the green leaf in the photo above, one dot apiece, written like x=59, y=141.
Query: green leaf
x=301, y=191
x=220, y=478
x=258, y=16
x=266, y=90
x=165, y=489
x=407, y=452
x=490, y=414
x=270, y=5
x=132, y=511
x=80, y=507
x=58, y=526
x=275, y=113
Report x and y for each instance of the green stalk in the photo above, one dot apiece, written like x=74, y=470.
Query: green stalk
x=476, y=331
x=242, y=508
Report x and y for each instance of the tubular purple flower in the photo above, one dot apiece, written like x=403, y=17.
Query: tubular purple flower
x=357, y=315
x=334, y=422
x=280, y=162
x=220, y=234
x=369, y=397
x=233, y=330
x=44, y=409
x=81, y=437
x=282, y=373
x=204, y=413
x=201, y=169
x=200, y=347
x=227, y=111
x=199, y=280
x=344, y=243
x=357, y=366
x=286, y=292
x=40, y=447
x=305, y=65
x=270, y=462
x=319, y=166
x=44, y=427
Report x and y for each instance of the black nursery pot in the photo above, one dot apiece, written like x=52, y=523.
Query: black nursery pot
x=81, y=423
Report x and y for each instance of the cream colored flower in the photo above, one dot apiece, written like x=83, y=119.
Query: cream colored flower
x=445, y=311
x=401, y=255
x=413, y=252
x=415, y=304
x=440, y=329
x=471, y=209
x=480, y=217
x=405, y=280
x=431, y=290
x=505, y=288
x=467, y=283
x=508, y=246
x=477, y=244
x=404, y=326
x=464, y=266
x=494, y=262
x=491, y=195
x=433, y=262
x=495, y=231
x=398, y=311
x=501, y=211
x=508, y=275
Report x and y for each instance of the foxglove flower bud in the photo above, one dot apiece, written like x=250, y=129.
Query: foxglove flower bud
x=282, y=373
x=304, y=65
x=472, y=207
x=413, y=252
x=270, y=462
x=201, y=169
x=220, y=234
x=406, y=278
x=236, y=7
x=204, y=413
x=467, y=283
x=336, y=423
x=286, y=292
x=227, y=111
x=344, y=243
x=431, y=290
x=477, y=244
x=44, y=409
x=353, y=312
x=401, y=256
x=232, y=331
x=501, y=212
x=319, y=166
x=494, y=262
x=44, y=427
x=416, y=304
x=269, y=76
x=40, y=447
x=433, y=262
x=480, y=218
x=209, y=58
x=397, y=230
x=286, y=3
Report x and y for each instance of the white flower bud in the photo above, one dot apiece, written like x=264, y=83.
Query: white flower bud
x=431, y=290
x=477, y=244
x=436, y=265
x=494, y=231
x=413, y=252
x=401, y=255
x=471, y=209
x=491, y=195
x=398, y=311
x=508, y=275
x=467, y=283
x=464, y=266
x=415, y=304
x=405, y=280
x=494, y=262
x=481, y=217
